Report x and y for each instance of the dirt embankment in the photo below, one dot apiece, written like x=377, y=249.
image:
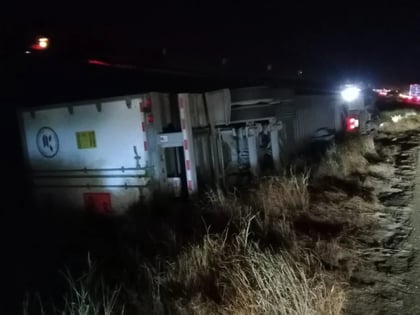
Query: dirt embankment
x=386, y=281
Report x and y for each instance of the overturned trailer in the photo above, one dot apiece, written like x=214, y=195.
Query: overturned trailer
x=106, y=154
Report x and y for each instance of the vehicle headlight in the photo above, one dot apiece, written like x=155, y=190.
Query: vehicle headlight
x=350, y=93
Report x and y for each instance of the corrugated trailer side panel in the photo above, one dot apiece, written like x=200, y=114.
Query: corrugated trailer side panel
x=314, y=112
x=88, y=154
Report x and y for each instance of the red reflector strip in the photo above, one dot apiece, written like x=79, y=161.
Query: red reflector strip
x=145, y=105
x=187, y=165
x=185, y=144
x=190, y=185
x=98, y=203
x=143, y=126
x=145, y=145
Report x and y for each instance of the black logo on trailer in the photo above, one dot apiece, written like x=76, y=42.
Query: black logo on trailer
x=47, y=142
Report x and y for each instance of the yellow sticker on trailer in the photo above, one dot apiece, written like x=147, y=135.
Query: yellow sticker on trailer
x=86, y=139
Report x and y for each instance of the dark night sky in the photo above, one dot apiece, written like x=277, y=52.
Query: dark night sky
x=343, y=41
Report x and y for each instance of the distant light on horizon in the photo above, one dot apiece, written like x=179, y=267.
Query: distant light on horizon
x=42, y=43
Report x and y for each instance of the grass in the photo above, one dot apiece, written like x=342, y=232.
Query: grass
x=87, y=295
x=285, y=246
x=278, y=196
x=400, y=121
x=221, y=275
x=348, y=159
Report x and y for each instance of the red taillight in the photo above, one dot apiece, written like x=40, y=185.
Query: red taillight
x=352, y=123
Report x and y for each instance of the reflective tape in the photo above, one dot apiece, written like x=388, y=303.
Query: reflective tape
x=182, y=104
x=143, y=134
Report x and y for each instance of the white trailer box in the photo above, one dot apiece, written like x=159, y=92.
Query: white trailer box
x=107, y=154
x=90, y=155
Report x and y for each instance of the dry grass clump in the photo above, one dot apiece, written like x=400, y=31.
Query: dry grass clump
x=402, y=121
x=348, y=158
x=278, y=196
x=347, y=219
x=396, y=114
x=87, y=295
x=233, y=275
